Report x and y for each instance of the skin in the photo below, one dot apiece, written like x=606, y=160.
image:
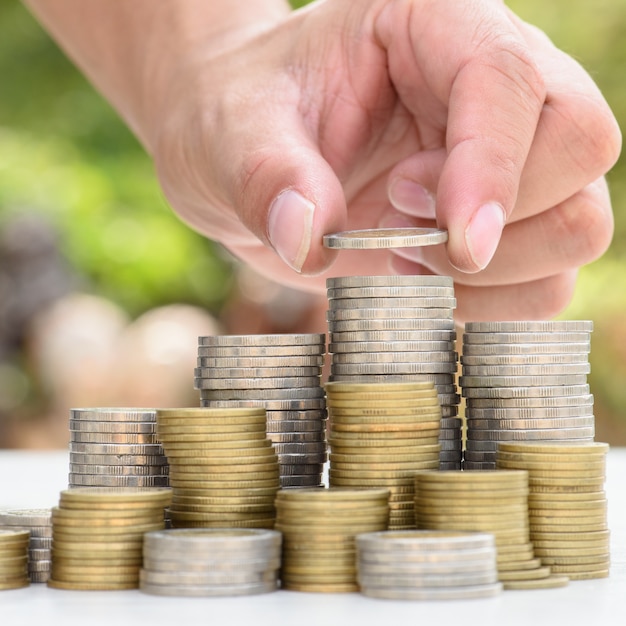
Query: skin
x=270, y=128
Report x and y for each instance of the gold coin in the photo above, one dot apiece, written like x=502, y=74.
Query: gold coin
x=320, y=578
x=266, y=479
x=364, y=449
x=531, y=574
x=65, y=571
x=18, y=551
x=225, y=518
x=10, y=536
x=209, y=412
x=568, y=482
x=199, y=504
x=123, y=523
x=567, y=537
x=546, y=515
x=220, y=446
x=301, y=542
x=550, y=582
x=514, y=557
x=219, y=492
x=558, y=551
x=565, y=505
x=581, y=559
x=361, y=388
x=114, y=497
x=590, y=575
x=467, y=499
x=580, y=568
x=581, y=528
x=220, y=466
x=412, y=426
x=451, y=509
x=91, y=586
x=224, y=510
x=357, y=481
x=97, y=562
x=339, y=496
x=381, y=413
x=320, y=588
x=519, y=565
x=492, y=520
x=381, y=469
x=553, y=448
x=550, y=462
x=374, y=475
x=562, y=497
x=72, y=550
x=428, y=421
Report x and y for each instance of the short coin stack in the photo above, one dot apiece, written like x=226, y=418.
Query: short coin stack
x=491, y=502
x=525, y=381
x=206, y=562
x=380, y=435
x=427, y=565
x=115, y=447
x=39, y=524
x=223, y=469
x=319, y=528
x=13, y=558
x=398, y=328
x=281, y=373
x=97, y=535
x=567, y=504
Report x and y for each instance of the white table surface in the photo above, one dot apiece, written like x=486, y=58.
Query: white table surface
x=34, y=480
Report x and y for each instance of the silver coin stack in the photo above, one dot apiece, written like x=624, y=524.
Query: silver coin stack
x=116, y=447
x=39, y=523
x=210, y=562
x=281, y=373
x=398, y=328
x=525, y=381
x=427, y=565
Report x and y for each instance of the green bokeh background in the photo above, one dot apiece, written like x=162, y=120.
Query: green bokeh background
x=65, y=153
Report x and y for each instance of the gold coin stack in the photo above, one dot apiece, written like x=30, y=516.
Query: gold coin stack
x=223, y=469
x=567, y=503
x=492, y=502
x=39, y=523
x=319, y=527
x=97, y=535
x=13, y=558
x=207, y=562
x=427, y=565
x=380, y=435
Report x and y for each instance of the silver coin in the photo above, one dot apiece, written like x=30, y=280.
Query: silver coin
x=377, y=238
x=286, y=339
x=261, y=361
x=309, y=480
x=397, y=580
x=92, y=426
x=526, y=392
x=208, y=590
x=525, y=359
x=522, y=381
x=449, y=445
x=293, y=458
x=208, y=578
x=448, y=400
x=39, y=566
x=297, y=415
x=309, y=437
x=302, y=469
x=302, y=393
x=449, y=411
x=92, y=480
x=295, y=426
x=391, y=347
x=540, y=337
x=260, y=351
x=409, y=324
x=395, y=357
x=579, y=401
x=436, y=379
x=486, y=349
x=391, y=291
x=581, y=326
x=234, y=384
x=391, y=303
x=389, y=281
x=582, y=433
x=257, y=372
x=338, y=315
x=392, y=335
x=433, y=593
x=477, y=465
x=117, y=459
x=449, y=434
x=313, y=404
x=481, y=446
x=529, y=424
x=114, y=414
x=426, y=568
x=122, y=438
x=120, y=470
x=41, y=543
x=147, y=449
x=527, y=370
x=476, y=456
x=451, y=422
x=367, y=368
x=529, y=413
x=300, y=448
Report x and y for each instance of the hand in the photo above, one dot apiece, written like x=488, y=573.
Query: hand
x=378, y=113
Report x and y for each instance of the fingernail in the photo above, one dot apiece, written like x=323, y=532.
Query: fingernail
x=410, y=197
x=290, y=227
x=483, y=233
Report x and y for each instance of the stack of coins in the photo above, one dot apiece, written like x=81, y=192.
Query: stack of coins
x=223, y=469
x=380, y=434
x=427, y=565
x=281, y=373
x=115, y=447
x=525, y=381
x=491, y=502
x=386, y=328
x=319, y=528
x=567, y=504
x=13, y=558
x=206, y=562
x=39, y=523
x=97, y=535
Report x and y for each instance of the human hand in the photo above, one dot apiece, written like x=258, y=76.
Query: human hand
x=382, y=113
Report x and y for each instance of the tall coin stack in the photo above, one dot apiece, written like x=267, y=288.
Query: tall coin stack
x=319, y=527
x=39, y=524
x=97, y=536
x=223, y=469
x=203, y=562
x=491, y=502
x=567, y=503
x=115, y=447
x=427, y=565
x=281, y=373
x=380, y=435
x=398, y=328
x=525, y=381
x=13, y=558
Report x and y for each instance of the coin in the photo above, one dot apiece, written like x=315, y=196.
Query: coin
x=526, y=392
x=365, y=369
x=437, y=328
x=557, y=447
x=522, y=381
x=377, y=238
x=334, y=316
x=344, y=358
x=94, y=426
x=255, y=362
x=390, y=291
x=525, y=337
x=296, y=394
x=550, y=326
x=373, y=348
x=550, y=582
x=263, y=340
x=527, y=348
x=386, y=281
x=116, y=414
x=261, y=351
